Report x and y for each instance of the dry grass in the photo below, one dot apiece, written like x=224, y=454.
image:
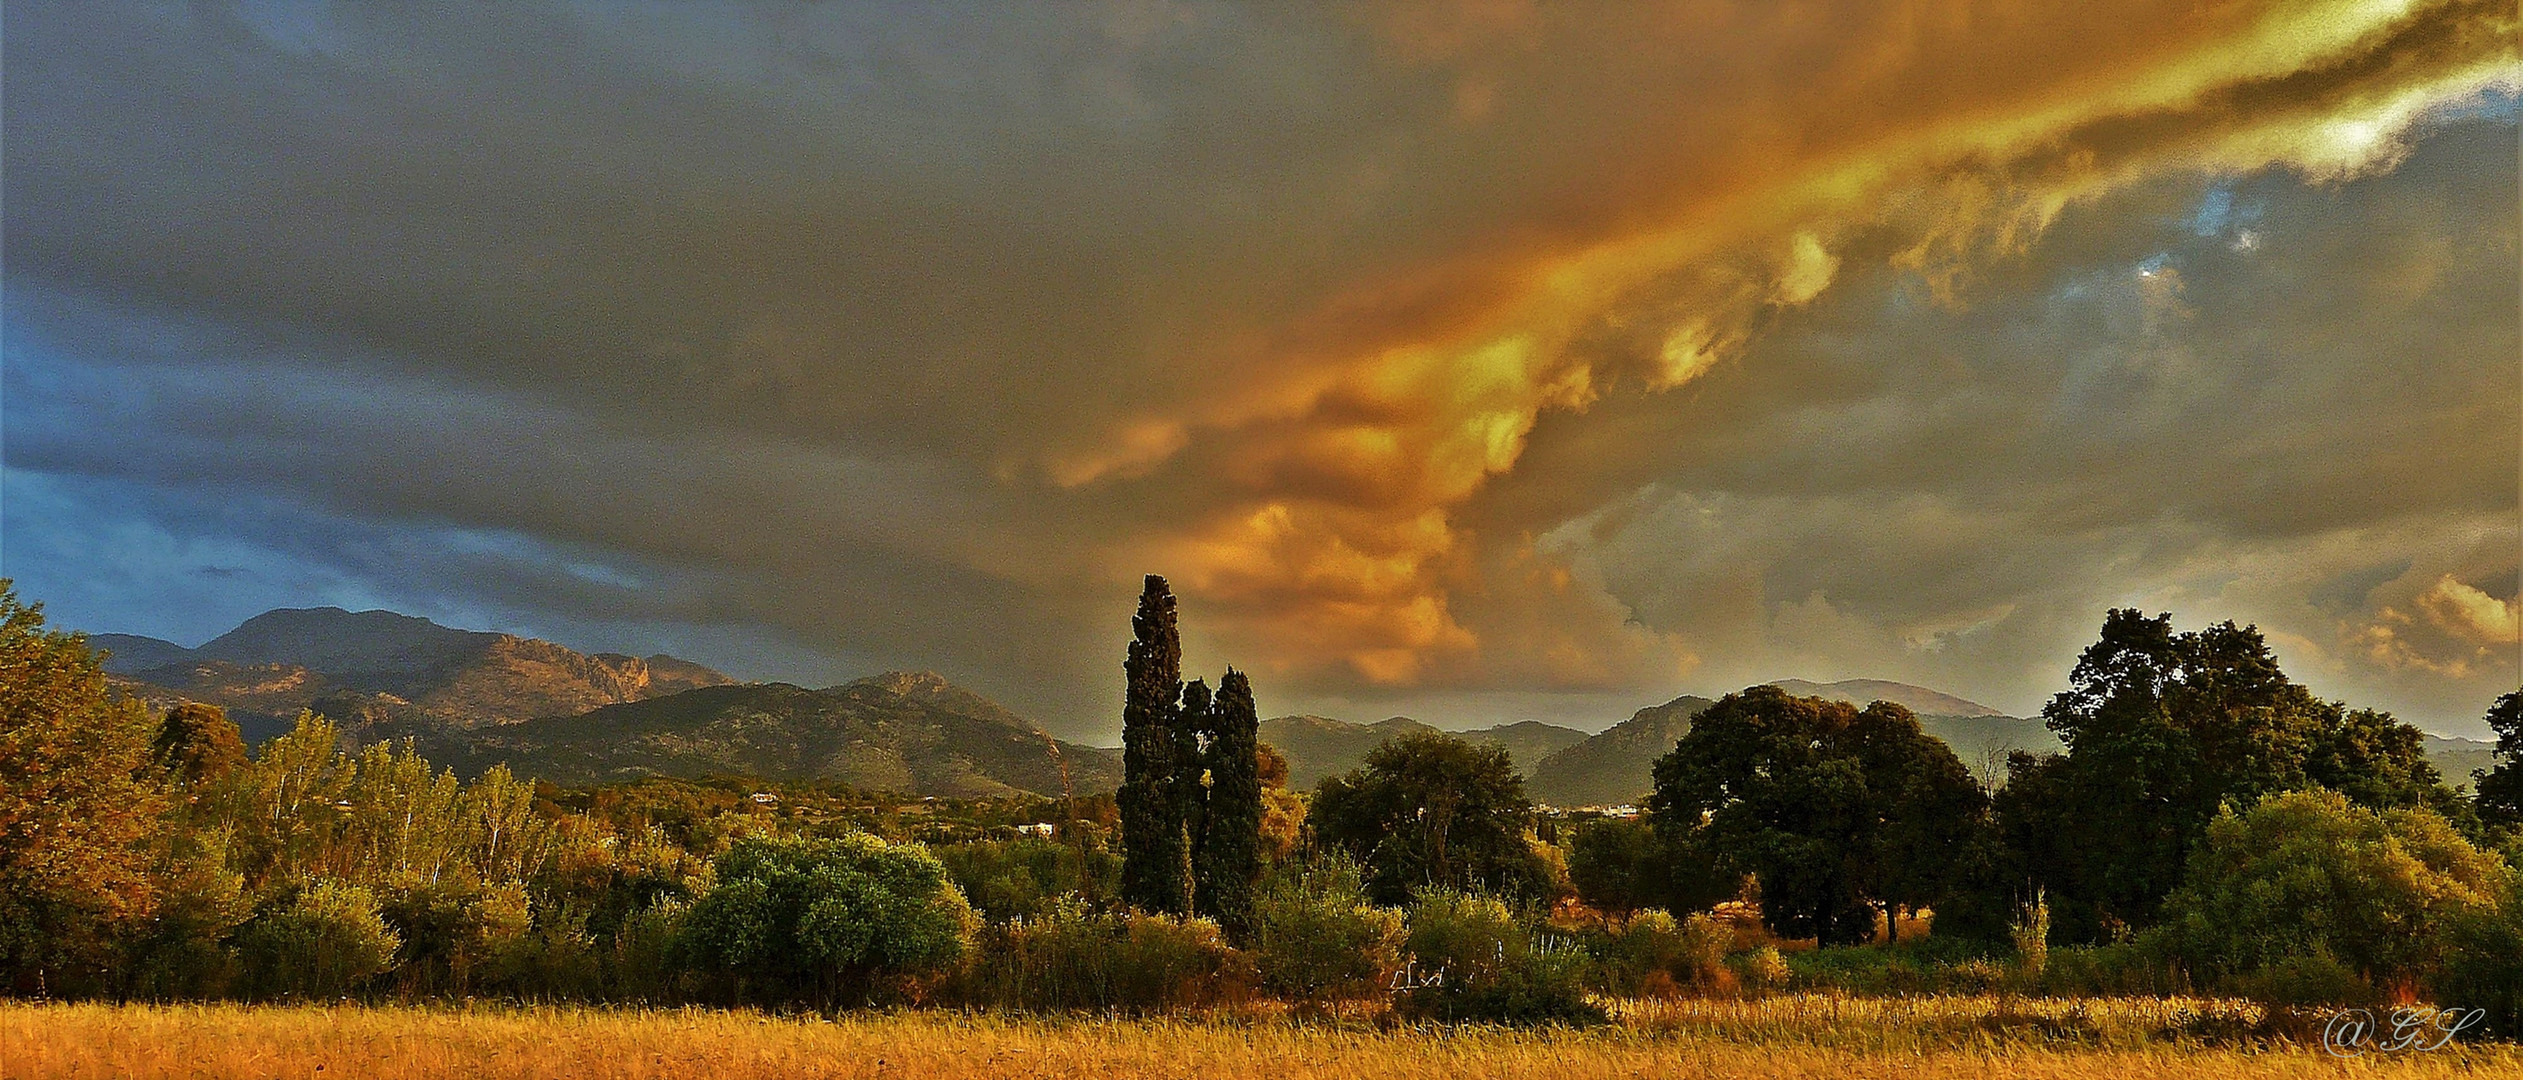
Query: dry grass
x=1781, y=1037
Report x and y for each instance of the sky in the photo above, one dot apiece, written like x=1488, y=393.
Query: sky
x=1475, y=360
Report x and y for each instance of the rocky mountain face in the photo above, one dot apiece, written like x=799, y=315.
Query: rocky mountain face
x=1614, y=767
x=904, y=732
x=378, y=669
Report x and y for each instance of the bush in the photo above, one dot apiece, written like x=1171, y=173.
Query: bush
x=328, y=941
x=2139, y=967
x=1488, y=966
x=1652, y=954
x=795, y=918
x=1074, y=958
x=2310, y=899
x=1762, y=970
x=2483, y=966
x=1315, y=936
x=450, y=929
x=1008, y=879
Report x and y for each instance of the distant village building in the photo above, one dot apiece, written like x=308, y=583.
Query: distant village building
x=765, y=798
x=1042, y=828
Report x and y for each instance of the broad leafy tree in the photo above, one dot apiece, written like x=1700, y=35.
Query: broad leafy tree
x=1836, y=811
x=78, y=813
x=1432, y=810
x=2162, y=729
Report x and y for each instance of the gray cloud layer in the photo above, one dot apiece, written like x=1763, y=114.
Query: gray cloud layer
x=1476, y=362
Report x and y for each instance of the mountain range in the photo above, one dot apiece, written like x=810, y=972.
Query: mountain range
x=911, y=733
x=379, y=668
x=1567, y=767
x=473, y=699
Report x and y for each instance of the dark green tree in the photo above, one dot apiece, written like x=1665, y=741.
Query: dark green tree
x=1432, y=810
x=1621, y=865
x=2500, y=790
x=1836, y=811
x=1155, y=868
x=2162, y=729
x=1229, y=859
x=1191, y=783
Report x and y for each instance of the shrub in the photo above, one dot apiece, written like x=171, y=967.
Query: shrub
x=642, y=964
x=1008, y=879
x=1075, y=958
x=2031, y=936
x=451, y=928
x=794, y=918
x=2483, y=966
x=2284, y=898
x=1316, y=937
x=328, y=941
x=1763, y=969
x=1490, y=967
x=1654, y=954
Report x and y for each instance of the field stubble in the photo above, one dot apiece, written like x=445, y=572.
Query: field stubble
x=1785, y=1036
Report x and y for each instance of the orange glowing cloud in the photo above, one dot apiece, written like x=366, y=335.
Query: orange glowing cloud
x=1360, y=427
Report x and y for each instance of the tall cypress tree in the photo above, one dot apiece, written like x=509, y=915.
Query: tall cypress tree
x=1229, y=855
x=1154, y=854
x=1191, y=795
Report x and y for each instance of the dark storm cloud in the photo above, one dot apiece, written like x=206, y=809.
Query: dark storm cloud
x=1404, y=335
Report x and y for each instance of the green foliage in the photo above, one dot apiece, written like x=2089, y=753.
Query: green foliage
x=1316, y=937
x=451, y=929
x=1653, y=954
x=1075, y=958
x=810, y=918
x=1621, y=865
x=2483, y=960
x=1834, y=810
x=1762, y=970
x=2162, y=729
x=1933, y=965
x=2283, y=898
x=2499, y=794
x=326, y=942
x=77, y=817
x=186, y=952
x=1431, y=810
x=1489, y=966
x=1011, y=879
x=1156, y=868
x=1229, y=859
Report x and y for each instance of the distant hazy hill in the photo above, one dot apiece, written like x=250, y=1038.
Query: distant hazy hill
x=911, y=733
x=1864, y=692
x=375, y=666
x=2457, y=759
x=1318, y=746
x=1615, y=766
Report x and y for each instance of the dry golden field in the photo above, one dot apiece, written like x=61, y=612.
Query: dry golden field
x=1794, y=1036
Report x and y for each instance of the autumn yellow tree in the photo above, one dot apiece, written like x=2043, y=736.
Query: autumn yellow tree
x=78, y=809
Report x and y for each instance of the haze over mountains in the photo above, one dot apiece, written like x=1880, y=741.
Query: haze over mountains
x=473, y=699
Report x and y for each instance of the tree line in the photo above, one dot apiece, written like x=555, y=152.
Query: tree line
x=2210, y=826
